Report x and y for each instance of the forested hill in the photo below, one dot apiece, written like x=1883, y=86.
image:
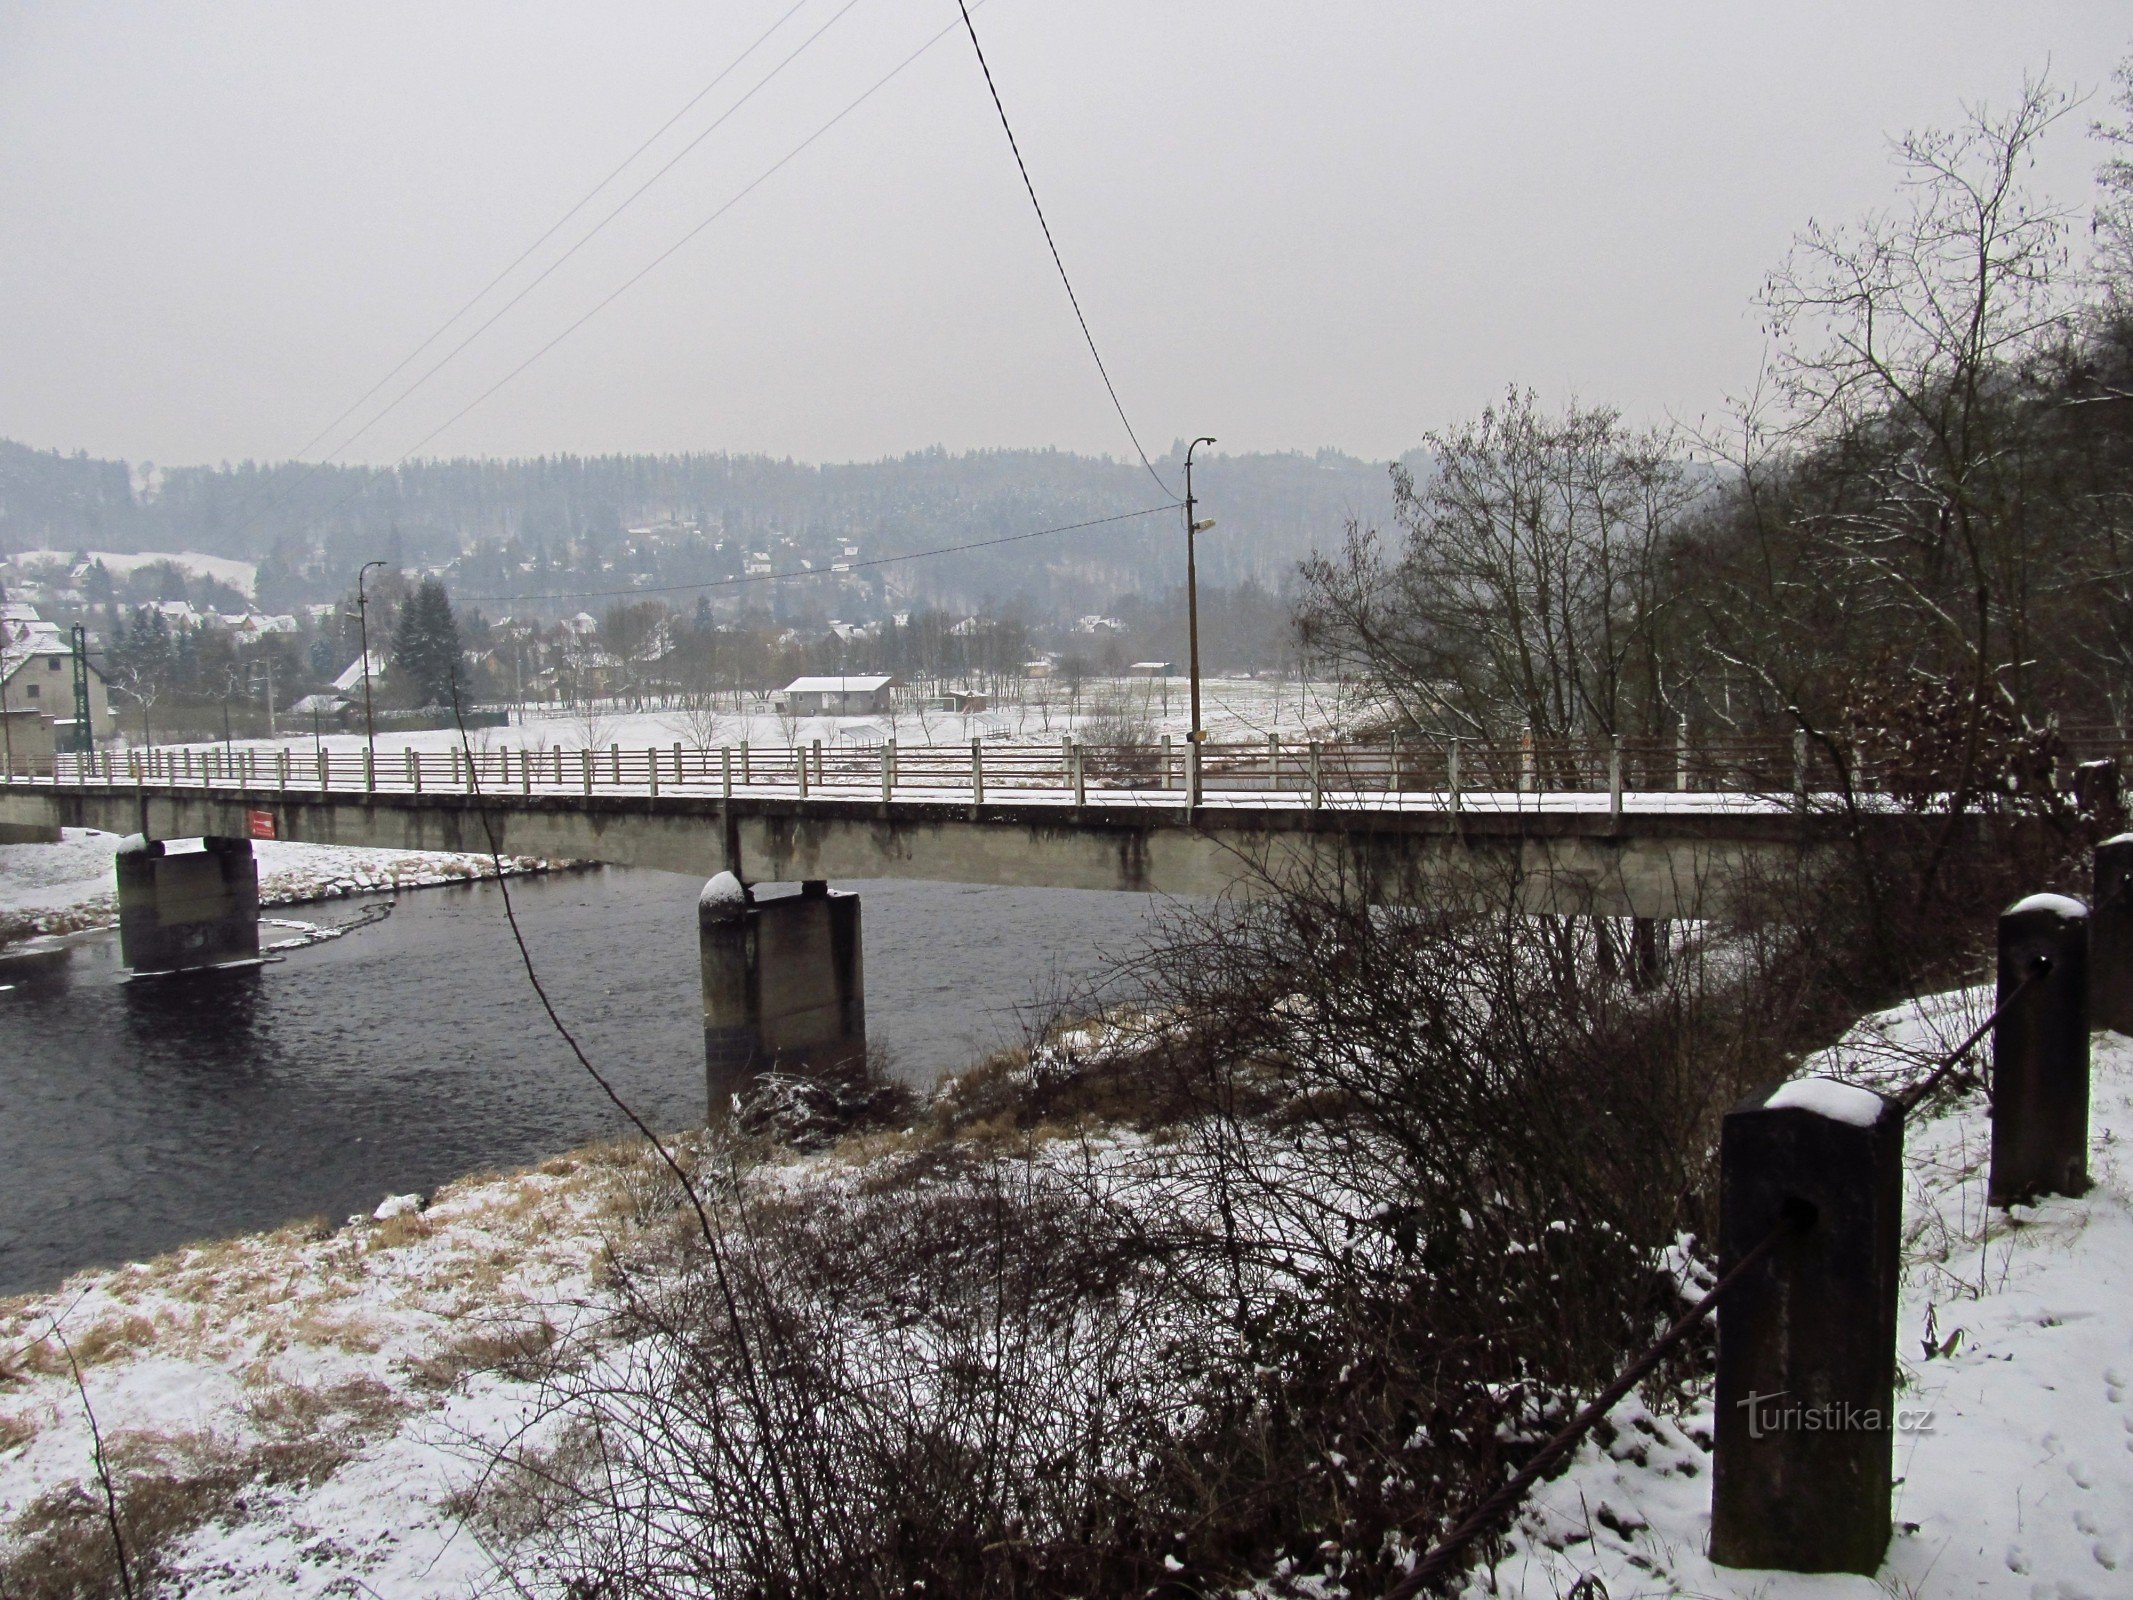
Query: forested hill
x=1272, y=509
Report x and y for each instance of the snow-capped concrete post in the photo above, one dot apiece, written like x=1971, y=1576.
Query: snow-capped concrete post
x=1526, y=770
x=199, y=908
x=1192, y=774
x=1318, y=785
x=1807, y=1335
x=1681, y=753
x=2040, y=1052
x=1614, y=780
x=2111, y=936
x=744, y=763
x=783, y=982
x=370, y=773
x=651, y=766
x=977, y=774
x=725, y=772
x=2098, y=792
x=1799, y=769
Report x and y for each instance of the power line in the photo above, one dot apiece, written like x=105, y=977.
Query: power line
x=591, y=233
x=811, y=572
x=548, y=271
x=659, y=260
x=1057, y=261
x=638, y=276
x=552, y=230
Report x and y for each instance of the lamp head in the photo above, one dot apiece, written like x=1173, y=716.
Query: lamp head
x=1203, y=524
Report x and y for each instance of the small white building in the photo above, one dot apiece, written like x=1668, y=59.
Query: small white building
x=40, y=678
x=351, y=679
x=845, y=695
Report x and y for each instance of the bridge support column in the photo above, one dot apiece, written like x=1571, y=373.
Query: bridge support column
x=192, y=909
x=784, y=988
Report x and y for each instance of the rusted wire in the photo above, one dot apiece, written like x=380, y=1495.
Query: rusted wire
x=1440, y=1557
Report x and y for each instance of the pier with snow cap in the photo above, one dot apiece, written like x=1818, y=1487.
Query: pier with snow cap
x=2040, y=1051
x=1807, y=1337
x=190, y=907
x=784, y=986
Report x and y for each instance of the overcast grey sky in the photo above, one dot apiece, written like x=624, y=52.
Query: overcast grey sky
x=1291, y=225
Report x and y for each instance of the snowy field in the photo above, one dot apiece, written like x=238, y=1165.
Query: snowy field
x=71, y=887
x=352, y=1380
x=242, y=576
x=1236, y=710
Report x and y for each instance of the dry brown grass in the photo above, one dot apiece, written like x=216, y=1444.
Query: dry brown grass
x=15, y=1432
x=519, y=1348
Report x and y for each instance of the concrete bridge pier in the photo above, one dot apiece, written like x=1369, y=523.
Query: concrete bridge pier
x=180, y=910
x=784, y=987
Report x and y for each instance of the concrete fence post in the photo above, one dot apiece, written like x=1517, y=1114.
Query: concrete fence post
x=585, y=764
x=414, y=771
x=2040, y=1052
x=370, y=771
x=888, y=770
x=1614, y=780
x=1681, y=752
x=800, y=766
x=525, y=770
x=1168, y=781
x=1317, y=778
x=1526, y=764
x=1451, y=777
x=281, y=769
x=2111, y=936
x=1392, y=762
x=818, y=760
x=614, y=765
x=679, y=777
x=744, y=763
x=1273, y=761
x=1799, y=768
x=1806, y=1416
x=1079, y=775
x=651, y=766
x=977, y=773
x=725, y=772
x=1192, y=773
x=324, y=778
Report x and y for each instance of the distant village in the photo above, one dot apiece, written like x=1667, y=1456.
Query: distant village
x=175, y=647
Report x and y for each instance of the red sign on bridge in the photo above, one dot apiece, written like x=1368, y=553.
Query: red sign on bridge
x=260, y=824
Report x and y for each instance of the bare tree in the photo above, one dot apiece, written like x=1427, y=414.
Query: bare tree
x=1531, y=588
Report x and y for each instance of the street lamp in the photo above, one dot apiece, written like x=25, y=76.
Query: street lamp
x=1192, y=594
x=370, y=731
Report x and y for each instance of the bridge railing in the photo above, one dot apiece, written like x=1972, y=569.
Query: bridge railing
x=1155, y=771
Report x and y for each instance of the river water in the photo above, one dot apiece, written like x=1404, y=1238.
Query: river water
x=137, y=1116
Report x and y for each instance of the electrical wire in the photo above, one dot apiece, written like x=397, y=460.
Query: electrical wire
x=553, y=229
x=1072, y=298
x=839, y=570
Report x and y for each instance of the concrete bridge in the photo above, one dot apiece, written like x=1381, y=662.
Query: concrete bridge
x=782, y=975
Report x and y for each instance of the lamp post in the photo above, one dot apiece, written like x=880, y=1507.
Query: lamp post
x=370, y=730
x=1192, y=594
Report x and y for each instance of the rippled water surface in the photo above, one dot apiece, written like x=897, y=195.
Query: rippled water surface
x=135, y=1116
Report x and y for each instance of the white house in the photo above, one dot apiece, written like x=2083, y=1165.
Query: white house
x=846, y=695
x=351, y=680
x=40, y=678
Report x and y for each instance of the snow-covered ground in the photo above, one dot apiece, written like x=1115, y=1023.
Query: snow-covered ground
x=2017, y=1477
x=352, y=1381
x=1235, y=710
x=240, y=575
x=71, y=886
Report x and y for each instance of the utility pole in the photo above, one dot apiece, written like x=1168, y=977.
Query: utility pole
x=370, y=727
x=84, y=730
x=1192, y=593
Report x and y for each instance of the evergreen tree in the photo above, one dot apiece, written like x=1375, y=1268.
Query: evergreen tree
x=426, y=645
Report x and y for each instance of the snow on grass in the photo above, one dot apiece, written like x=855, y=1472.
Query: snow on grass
x=2016, y=1376
x=356, y=1380
x=71, y=886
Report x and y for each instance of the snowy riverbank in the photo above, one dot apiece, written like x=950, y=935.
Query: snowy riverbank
x=70, y=887
x=317, y=1407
